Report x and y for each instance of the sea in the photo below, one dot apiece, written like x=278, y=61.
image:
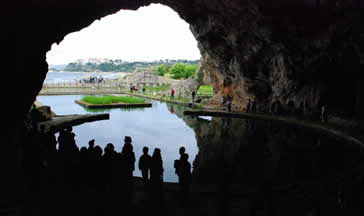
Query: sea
x=74, y=77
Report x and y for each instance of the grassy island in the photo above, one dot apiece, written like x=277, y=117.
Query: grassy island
x=111, y=101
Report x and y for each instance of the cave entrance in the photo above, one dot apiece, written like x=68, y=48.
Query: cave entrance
x=143, y=48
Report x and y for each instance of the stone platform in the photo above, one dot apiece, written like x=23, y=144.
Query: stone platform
x=60, y=122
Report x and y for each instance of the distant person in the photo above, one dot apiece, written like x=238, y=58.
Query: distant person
x=324, y=115
x=143, y=90
x=172, y=93
x=223, y=100
x=193, y=95
x=156, y=169
x=144, y=164
x=229, y=104
x=136, y=88
x=248, y=106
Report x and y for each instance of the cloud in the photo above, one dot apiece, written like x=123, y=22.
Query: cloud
x=150, y=33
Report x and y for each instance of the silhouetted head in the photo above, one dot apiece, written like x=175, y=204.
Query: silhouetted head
x=182, y=150
x=145, y=150
x=98, y=151
x=69, y=128
x=184, y=157
x=83, y=149
x=109, y=148
x=128, y=147
x=91, y=143
x=157, y=153
x=127, y=139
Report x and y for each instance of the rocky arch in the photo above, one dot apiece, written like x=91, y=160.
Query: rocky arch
x=255, y=48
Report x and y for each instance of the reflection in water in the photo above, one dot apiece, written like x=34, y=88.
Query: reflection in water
x=154, y=127
x=244, y=166
x=271, y=167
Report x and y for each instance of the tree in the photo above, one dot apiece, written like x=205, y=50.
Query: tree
x=162, y=70
x=178, y=70
x=190, y=71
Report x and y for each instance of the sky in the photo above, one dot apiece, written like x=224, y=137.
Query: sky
x=150, y=33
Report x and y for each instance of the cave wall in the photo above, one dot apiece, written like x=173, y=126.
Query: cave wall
x=295, y=50
x=268, y=50
x=283, y=50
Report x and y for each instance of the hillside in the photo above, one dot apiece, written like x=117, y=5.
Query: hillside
x=118, y=65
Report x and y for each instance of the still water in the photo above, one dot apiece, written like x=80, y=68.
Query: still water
x=156, y=127
x=241, y=166
x=235, y=151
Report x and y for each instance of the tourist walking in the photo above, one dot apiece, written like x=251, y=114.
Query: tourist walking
x=144, y=165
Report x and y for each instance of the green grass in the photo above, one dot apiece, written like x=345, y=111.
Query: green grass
x=205, y=90
x=161, y=88
x=109, y=99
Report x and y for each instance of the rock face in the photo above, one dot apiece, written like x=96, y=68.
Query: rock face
x=269, y=53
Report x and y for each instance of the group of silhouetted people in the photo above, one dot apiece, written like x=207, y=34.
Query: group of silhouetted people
x=106, y=169
x=151, y=167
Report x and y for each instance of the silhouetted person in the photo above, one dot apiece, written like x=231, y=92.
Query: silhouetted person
x=91, y=145
x=109, y=160
x=185, y=176
x=229, y=104
x=144, y=164
x=128, y=157
x=223, y=100
x=324, y=115
x=156, y=169
x=193, y=95
x=248, y=106
x=182, y=151
x=84, y=165
x=96, y=174
x=67, y=143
